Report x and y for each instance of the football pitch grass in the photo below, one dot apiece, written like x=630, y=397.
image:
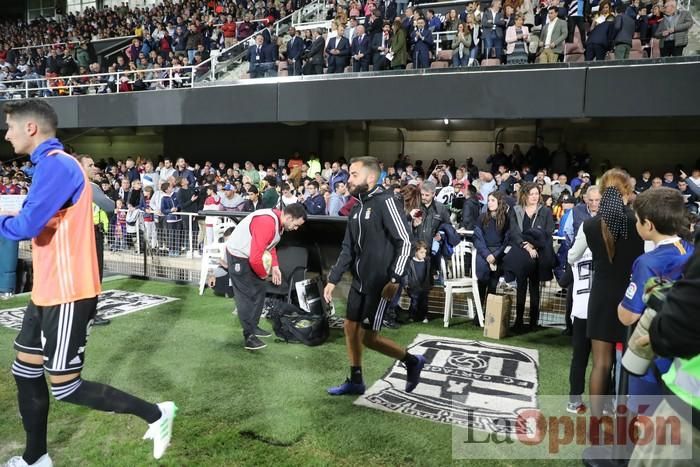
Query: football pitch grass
x=267, y=408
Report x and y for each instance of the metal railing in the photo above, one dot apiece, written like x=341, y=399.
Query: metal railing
x=103, y=83
x=440, y=37
x=44, y=46
x=158, y=249
x=227, y=58
x=173, y=251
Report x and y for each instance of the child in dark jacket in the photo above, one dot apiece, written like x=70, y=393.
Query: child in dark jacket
x=418, y=283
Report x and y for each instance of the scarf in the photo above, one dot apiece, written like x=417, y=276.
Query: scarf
x=612, y=210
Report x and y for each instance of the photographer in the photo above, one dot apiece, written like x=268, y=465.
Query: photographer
x=675, y=333
x=438, y=173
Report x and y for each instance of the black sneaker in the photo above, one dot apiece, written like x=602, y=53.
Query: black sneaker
x=390, y=324
x=259, y=332
x=253, y=343
x=100, y=321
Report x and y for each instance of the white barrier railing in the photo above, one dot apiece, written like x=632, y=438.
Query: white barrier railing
x=103, y=83
x=439, y=37
x=44, y=46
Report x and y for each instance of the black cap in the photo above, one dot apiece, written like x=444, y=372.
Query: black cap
x=566, y=198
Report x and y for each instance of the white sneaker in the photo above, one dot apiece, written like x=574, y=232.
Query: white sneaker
x=161, y=430
x=17, y=461
x=425, y=321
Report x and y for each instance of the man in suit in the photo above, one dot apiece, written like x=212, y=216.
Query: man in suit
x=422, y=40
x=351, y=31
x=268, y=33
x=553, y=36
x=338, y=50
x=493, y=29
x=261, y=58
x=381, y=44
x=542, y=14
x=295, y=48
x=407, y=21
x=360, y=51
x=314, y=56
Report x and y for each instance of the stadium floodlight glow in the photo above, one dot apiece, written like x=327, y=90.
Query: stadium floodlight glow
x=446, y=121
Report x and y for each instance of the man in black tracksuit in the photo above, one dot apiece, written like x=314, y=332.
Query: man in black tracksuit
x=376, y=248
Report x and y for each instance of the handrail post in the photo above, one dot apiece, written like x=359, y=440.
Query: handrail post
x=117, y=81
x=170, y=81
x=26, y=89
x=190, y=231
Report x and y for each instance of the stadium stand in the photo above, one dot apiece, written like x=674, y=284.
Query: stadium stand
x=180, y=45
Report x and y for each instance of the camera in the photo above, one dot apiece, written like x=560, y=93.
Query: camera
x=637, y=359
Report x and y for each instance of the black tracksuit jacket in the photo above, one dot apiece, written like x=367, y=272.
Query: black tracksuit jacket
x=377, y=243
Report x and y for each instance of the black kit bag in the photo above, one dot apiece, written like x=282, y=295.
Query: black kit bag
x=292, y=324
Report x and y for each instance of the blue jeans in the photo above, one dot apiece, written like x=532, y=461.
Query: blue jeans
x=460, y=62
x=400, y=8
x=418, y=309
x=492, y=43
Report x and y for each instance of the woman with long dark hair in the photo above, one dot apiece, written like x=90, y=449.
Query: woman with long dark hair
x=614, y=243
x=411, y=201
x=532, y=254
x=491, y=238
x=412, y=216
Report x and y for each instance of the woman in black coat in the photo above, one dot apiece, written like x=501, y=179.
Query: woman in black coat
x=532, y=255
x=613, y=240
x=491, y=237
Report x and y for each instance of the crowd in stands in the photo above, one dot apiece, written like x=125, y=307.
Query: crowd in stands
x=461, y=191
x=364, y=34
x=389, y=35
x=170, y=34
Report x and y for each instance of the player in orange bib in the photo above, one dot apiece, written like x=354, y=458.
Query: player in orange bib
x=57, y=217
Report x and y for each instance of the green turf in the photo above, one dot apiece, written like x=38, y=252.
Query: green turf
x=242, y=408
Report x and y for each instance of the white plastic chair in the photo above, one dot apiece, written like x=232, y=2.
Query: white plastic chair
x=459, y=278
x=212, y=253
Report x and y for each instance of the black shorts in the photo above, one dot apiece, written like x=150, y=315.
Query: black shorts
x=366, y=309
x=59, y=333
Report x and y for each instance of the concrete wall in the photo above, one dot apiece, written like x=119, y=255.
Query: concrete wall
x=260, y=142
x=634, y=145
x=441, y=143
x=118, y=147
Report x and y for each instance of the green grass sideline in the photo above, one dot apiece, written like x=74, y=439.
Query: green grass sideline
x=241, y=408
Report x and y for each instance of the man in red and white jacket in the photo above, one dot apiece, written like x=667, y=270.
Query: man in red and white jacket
x=257, y=233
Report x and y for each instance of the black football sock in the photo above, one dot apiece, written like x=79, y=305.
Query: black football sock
x=105, y=398
x=356, y=375
x=410, y=359
x=33, y=399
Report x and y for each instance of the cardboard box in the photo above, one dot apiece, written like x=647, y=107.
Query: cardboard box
x=497, y=317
